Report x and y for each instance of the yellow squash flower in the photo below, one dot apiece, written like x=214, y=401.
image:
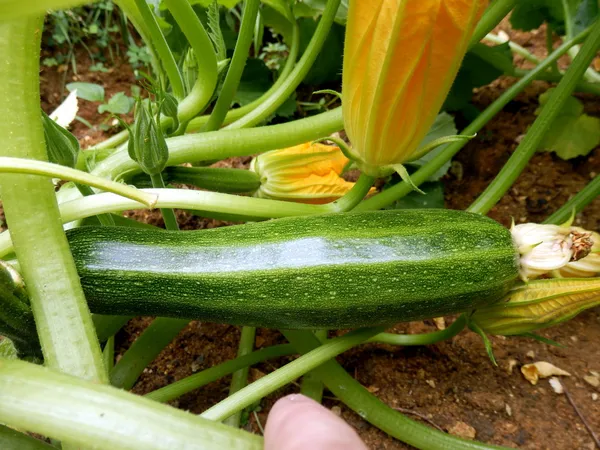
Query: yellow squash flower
x=306, y=173
x=401, y=57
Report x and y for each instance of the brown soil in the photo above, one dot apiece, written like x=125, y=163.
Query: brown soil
x=453, y=384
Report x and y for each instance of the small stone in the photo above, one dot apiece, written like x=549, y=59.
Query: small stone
x=336, y=410
x=592, y=380
x=530, y=354
x=463, y=430
x=594, y=396
x=508, y=410
x=430, y=383
x=512, y=363
x=574, y=338
x=556, y=385
x=420, y=374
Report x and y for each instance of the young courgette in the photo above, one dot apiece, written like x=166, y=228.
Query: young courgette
x=331, y=271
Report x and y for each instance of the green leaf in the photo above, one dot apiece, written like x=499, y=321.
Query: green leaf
x=87, y=91
x=531, y=14
x=587, y=13
x=7, y=349
x=206, y=3
x=573, y=133
x=328, y=65
x=282, y=7
x=313, y=8
x=118, y=104
x=433, y=197
x=443, y=126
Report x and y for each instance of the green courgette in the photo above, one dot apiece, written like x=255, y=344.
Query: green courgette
x=331, y=271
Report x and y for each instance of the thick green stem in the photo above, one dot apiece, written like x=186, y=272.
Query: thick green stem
x=167, y=213
x=583, y=198
x=288, y=373
x=422, y=339
x=14, y=9
x=582, y=86
x=161, y=48
x=92, y=415
x=13, y=440
x=389, y=196
x=109, y=354
x=214, y=179
x=104, y=219
x=492, y=16
x=217, y=145
x=536, y=133
x=144, y=350
x=198, y=38
x=373, y=410
x=290, y=84
x=312, y=386
x=239, y=379
x=61, y=314
x=236, y=67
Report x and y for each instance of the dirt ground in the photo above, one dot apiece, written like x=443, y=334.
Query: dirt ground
x=453, y=384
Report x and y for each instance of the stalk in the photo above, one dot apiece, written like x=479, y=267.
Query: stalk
x=389, y=196
x=583, y=198
x=373, y=410
x=239, y=379
x=236, y=67
x=299, y=73
x=422, y=339
x=14, y=9
x=11, y=439
x=167, y=213
x=536, y=133
x=311, y=385
x=492, y=16
x=104, y=219
x=92, y=415
x=63, y=321
x=144, y=350
x=288, y=373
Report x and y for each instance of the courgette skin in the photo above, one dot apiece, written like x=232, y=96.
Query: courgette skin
x=332, y=271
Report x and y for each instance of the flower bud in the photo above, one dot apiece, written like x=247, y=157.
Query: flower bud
x=538, y=304
x=545, y=248
x=306, y=173
x=400, y=59
x=62, y=147
x=589, y=265
x=147, y=145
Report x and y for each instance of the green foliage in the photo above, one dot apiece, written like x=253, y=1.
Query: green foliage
x=119, y=103
x=433, y=197
x=62, y=147
x=87, y=91
x=312, y=8
x=531, y=14
x=573, y=133
x=328, y=65
x=7, y=349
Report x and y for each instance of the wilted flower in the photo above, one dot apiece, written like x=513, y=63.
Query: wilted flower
x=306, y=173
x=589, y=265
x=538, y=304
x=400, y=59
x=546, y=248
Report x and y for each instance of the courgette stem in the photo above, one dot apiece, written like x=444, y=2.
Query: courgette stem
x=273, y=381
x=144, y=350
x=236, y=67
x=167, y=213
x=492, y=16
x=287, y=88
x=93, y=415
x=528, y=146
x=577, y=203
x=389, y=196
x=239, y=379
x=422, y=339
x=61, y=314
x=104, y=219
x=312, y=386
x=373, y=410
x=214, y=373
x=12, y=439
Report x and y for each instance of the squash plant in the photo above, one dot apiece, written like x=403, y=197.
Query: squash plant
x=331, y=268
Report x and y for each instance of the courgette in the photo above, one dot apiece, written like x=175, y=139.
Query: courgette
x=330, y=271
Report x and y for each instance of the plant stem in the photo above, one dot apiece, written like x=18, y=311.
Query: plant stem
x=217, y=145
x=61, y=314
x=311, y=385
x=198, y=38
x=46, y=169
x=43, y=401
x=577, y=203
x=287, y=88
x=288, y=373
x=12, y=439
x=107, y=326
x=239, y=379
x=214, y=373
x=236, y=67
x=214, y=179
x=492, y=16
x=516, y=48
x=14, y=9
x=582, y=86
x=144, y=350
x=373, y=410
x=104, y=219
x=167, y=213
x=536, y=133
x=389, y=196
x=161, y=48
x=422, y=339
